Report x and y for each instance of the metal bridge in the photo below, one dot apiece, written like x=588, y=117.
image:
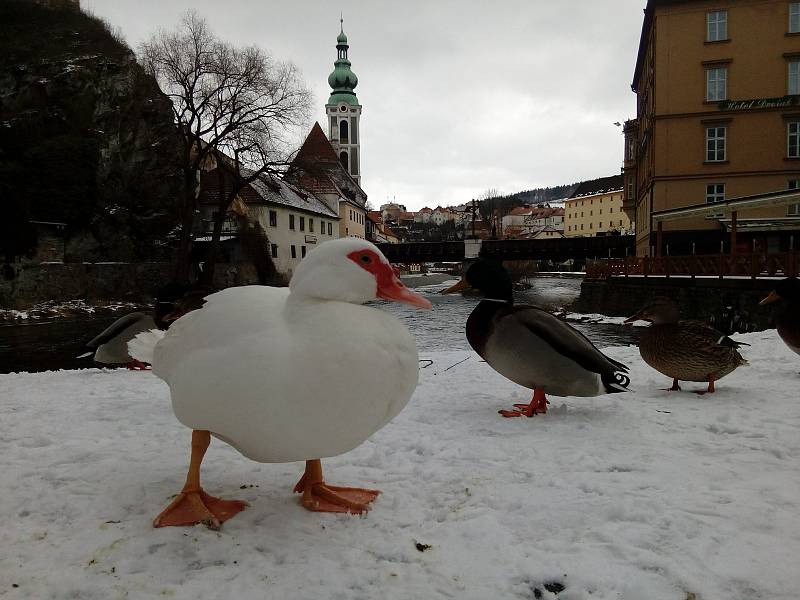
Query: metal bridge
x=557, y=249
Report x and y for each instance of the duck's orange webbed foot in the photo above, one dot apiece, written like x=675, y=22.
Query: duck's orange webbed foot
x=318, y=496
x=196, y=506
x=710, y=389
x=193, y=505
x=537, y=406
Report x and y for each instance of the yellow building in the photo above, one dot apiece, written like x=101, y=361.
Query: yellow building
x=718, y=117
x=595, y=208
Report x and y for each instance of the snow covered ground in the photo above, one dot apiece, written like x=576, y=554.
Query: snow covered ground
x=649, y=495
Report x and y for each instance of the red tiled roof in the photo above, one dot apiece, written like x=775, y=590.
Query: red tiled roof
x=520, y=211
x=316, y=147
x=318, y=183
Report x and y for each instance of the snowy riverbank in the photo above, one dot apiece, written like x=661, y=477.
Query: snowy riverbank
x=649, y=495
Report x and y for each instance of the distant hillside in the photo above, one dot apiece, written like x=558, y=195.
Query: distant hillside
x=505, y=203
x=86, y=138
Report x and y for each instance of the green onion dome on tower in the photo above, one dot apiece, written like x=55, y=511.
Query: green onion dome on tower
x=342, y=79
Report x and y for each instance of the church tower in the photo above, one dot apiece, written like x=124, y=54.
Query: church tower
x=344, y=111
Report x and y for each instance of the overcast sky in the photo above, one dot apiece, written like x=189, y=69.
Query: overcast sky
x=459, y=96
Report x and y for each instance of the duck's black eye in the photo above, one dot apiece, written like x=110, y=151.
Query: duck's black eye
x=366, y=258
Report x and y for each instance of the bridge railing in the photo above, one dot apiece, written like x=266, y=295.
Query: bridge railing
x=753, y=265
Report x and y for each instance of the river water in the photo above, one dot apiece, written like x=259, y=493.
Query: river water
x=54, y=344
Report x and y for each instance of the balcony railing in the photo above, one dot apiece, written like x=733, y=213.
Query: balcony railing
x=754, y=265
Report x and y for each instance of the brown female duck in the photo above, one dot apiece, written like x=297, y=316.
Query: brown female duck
x=786, y=297
x=685, y=350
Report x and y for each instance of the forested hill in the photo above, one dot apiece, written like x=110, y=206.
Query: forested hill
x=86, y=138
x=542, y=195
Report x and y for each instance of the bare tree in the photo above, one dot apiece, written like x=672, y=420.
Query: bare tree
x=488, y=204
x=235, y=108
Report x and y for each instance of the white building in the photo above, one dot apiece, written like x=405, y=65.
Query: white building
x=294, y=221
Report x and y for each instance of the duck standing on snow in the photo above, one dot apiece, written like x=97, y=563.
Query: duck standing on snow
x=110, y=346
x=289, y=374
x=531, y=347
x=685, y=350
x=786, y=295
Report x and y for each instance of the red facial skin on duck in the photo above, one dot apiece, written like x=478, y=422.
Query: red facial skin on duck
x=389, y=285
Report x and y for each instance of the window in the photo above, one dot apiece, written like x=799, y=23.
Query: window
x=291, y=222
x=794, y=17
x=322, y=227
x=343, y=137
x=302, y=251
x=793, y=210
x=715, y=144
x=601, y=211
x=294, y=251
x=302, y=223
x=793, y=139
x=273, y=218
x=793, y=85
x=716, y=84
x=717, y=26
x=581, y=226
x=715, y=192
x=274, y=248
x=611, y=210
x=311, y=225
x=329, y=229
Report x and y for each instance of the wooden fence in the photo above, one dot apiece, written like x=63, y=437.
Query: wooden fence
x=781, y=264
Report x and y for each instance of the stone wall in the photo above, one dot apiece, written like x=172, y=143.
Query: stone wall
x=32, y=283
x=729, y=304
x=23, y=285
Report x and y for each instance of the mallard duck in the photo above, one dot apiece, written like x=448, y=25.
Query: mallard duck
x=531, y=347
x=109, y=348
x=786, y=295
x=685, y=350
x=288, y=374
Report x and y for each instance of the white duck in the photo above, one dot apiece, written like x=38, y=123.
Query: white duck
x=289, y=374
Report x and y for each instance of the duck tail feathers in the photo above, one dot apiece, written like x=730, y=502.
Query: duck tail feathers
x=730, y=343
x=615, y=383
x=141, y=347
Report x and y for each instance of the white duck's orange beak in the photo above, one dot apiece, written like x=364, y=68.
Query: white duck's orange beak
x=393, y=289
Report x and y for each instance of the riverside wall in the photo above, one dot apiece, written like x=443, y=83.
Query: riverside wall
x=729, y=304
x=23, y=285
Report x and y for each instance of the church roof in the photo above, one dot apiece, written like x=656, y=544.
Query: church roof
x=316, y=147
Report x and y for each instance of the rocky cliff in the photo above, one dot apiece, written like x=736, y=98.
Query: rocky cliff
x=86, y=139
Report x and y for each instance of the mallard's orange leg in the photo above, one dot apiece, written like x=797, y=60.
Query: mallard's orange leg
x=538, y=405
x=675, y=387
x=321, y=497
x=193, y=505
x=710, y=389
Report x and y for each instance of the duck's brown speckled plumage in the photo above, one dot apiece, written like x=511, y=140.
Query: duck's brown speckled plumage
x=688, y=351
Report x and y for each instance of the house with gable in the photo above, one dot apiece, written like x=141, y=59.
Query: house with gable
x=318, y=170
